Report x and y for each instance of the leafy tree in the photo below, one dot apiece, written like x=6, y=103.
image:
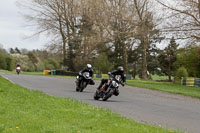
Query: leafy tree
x=133, y=60
x=181, y=72
x=34, y=59
x=24, y=61
x=152, y=59
x=167, y=58
x=17, y=50
x=102, y=64
x=12, y=51
x=189, y=57
x=3, y=64
x=51, y=64
x=10, y=63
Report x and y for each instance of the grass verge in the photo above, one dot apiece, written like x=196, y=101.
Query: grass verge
x=174, y=88
x=27, y=111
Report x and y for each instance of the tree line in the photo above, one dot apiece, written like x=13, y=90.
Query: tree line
x=29, y=60
x=116, y=32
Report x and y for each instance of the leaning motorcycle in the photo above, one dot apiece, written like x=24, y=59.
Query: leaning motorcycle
x=84, y=82
x=112, y=85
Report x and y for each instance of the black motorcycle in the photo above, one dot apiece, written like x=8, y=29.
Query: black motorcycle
x=112, y=85
x=84, y=82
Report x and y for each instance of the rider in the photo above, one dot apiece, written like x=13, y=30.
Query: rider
x=119, y=71
x=89, y=69
x=18, y=68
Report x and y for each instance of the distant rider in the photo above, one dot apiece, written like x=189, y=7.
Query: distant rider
x=89, y=69
x=119, y=71
x=18, y=68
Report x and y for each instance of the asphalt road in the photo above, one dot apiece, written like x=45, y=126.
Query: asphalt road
x=142, y=105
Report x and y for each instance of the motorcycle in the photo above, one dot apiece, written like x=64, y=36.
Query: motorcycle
x=18, y=70
x=112, y=86
x=84, y=82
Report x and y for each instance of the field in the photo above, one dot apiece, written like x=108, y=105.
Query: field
x=175, y=88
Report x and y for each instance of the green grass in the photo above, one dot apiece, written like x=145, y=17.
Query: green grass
x=27, y=111
x=157, y=77
x=174, y=88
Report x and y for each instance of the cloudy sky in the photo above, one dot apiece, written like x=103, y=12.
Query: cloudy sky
x=13, y=30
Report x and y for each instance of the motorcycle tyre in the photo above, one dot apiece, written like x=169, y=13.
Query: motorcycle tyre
x=110, y=93
x=96, y=97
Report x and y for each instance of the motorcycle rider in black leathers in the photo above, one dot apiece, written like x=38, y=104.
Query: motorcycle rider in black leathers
x=89, y=69
x=119, y=71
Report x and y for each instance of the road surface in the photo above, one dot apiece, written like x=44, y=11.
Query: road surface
x=143, y=105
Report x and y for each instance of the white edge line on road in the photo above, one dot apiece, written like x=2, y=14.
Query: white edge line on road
x=7, y=79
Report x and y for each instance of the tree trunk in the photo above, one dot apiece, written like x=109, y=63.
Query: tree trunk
x=64, y=42
x=144, y=59
x=125, y=60
x=64, y=53
x=169, y=69
x=70, y=52
x=134, y=70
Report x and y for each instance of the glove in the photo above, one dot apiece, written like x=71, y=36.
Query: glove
x=80, y=73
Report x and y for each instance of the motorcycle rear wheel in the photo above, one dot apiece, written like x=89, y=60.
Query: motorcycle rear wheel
x=77, y=88
x=96, y=97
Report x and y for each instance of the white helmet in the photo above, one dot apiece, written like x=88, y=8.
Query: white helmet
x=89, y=66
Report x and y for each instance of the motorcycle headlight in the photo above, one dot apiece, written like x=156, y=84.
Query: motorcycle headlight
x=115, y=84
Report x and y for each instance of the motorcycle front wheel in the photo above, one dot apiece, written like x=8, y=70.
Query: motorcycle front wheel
x=83, y=85
x=96, y=97
x=108, y=95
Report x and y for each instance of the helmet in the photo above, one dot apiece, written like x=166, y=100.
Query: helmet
x=120, y=69
x=89, y=66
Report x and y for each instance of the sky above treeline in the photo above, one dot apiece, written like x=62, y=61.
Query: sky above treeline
x=13, y=30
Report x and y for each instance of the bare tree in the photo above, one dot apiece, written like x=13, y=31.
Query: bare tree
x=145, y=30
x=79, y=26
x=55, y=18
x=115, y=23
x=183, y=18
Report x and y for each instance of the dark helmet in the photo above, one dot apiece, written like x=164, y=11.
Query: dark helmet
x=120, y=69
x=89, y=66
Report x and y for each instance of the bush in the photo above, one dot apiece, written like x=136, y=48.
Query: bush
x=102, y=64
x=24, y=62
x=3, y=64
x=181, y=72
x=10, y=63
x=51, y=64
x=40, y=66
x=189, y=57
